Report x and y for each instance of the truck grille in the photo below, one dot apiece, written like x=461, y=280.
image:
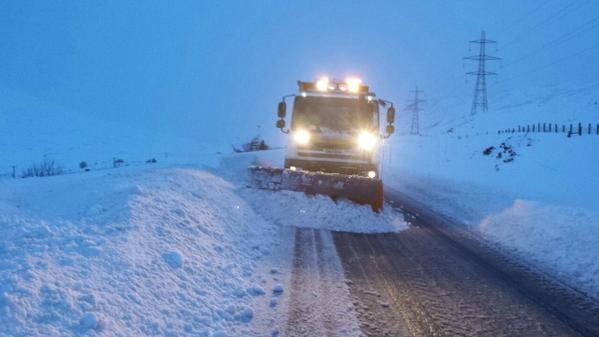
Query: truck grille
x=333, y=145
x=333, y=155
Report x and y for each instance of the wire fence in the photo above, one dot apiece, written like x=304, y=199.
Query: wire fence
x=577, y=129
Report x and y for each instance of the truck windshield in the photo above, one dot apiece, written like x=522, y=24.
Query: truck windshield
x=333, y=113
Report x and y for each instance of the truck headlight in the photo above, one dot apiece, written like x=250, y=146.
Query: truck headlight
x=302, y=137
x=366, y=141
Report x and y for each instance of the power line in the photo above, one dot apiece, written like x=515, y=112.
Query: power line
x=560, y=60
x=563, y=11
x=559, y=40
x=480, y=89
x=511, y=24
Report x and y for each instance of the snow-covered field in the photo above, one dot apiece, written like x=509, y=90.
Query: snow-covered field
x=35, y=129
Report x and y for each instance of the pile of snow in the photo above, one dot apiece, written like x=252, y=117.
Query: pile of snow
x=137, y=252
x=321, y=212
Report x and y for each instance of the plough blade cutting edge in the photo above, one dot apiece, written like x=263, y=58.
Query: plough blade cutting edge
x=361, y=190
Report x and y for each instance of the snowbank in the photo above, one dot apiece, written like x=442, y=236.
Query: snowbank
x=136, y=253
x=561, y=239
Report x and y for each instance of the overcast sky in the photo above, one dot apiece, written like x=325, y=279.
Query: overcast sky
x=216, y=69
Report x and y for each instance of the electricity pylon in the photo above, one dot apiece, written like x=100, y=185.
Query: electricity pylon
x=415, y=108
x=480, y=89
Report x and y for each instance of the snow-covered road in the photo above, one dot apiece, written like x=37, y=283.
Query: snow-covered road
x=435, y=279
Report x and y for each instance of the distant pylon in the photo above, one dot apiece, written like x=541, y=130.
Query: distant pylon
x=480, y=89
x=415, y=108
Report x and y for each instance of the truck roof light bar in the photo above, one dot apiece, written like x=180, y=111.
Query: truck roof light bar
x=350, y=86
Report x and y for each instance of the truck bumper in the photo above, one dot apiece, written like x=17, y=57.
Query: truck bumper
x=333, y=166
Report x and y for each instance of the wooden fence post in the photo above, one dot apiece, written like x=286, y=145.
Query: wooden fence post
x=589, y=128
x=571, y=128
x=563, y=128
x=580, y=129
x=598, y=129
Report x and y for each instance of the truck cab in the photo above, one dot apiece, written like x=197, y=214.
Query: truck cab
x=335, y=128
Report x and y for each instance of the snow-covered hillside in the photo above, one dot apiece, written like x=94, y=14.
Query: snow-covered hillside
x=34, y=130
x=509, y=106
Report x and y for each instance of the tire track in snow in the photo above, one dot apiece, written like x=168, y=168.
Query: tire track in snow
x=319, y=302
x=434, y=291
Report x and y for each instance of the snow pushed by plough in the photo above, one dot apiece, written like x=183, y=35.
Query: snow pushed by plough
x=292, y=208
x=361, y=190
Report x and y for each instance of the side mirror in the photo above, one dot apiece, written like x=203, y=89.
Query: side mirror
x=281, y=123
x=282, y=111
x=391, y=115
x=390, y=129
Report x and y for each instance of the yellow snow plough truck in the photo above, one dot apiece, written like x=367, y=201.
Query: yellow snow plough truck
x=335, y=143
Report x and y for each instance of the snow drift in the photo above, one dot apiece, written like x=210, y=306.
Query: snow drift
x=134, y=253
